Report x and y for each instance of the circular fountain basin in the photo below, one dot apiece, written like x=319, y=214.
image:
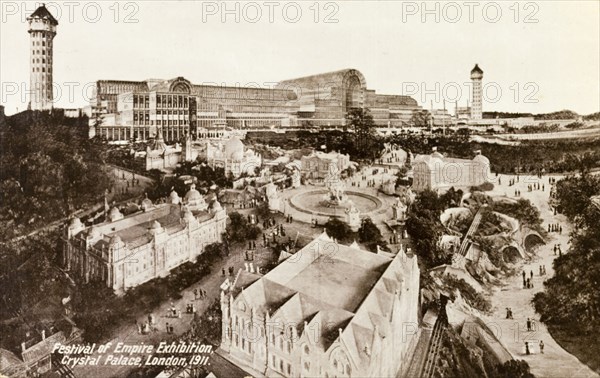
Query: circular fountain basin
x=312, y=202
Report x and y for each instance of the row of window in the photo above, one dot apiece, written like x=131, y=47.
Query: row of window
x=283, y=366
x=43, y=69
x=42, y=43
x=171, y=101
x=41, y=52
x=161, y=122
x=43, y=60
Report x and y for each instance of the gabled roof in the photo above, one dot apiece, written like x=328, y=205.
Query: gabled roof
x=44, y=13
x=293, y=292
x=8, y=359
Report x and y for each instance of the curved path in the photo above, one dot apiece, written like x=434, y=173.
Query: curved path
x=555, y=361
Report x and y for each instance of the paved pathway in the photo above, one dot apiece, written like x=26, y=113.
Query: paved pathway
x=555, y=362
x=128, y=333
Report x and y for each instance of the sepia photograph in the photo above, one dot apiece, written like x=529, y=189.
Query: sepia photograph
x=300, y=189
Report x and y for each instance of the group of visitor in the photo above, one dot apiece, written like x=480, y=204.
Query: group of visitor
x=527, y=281
x=536, y=186
x=555, y=227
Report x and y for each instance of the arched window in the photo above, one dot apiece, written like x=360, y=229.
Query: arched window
x=306, y=350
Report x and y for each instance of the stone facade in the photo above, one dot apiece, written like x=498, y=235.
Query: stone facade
x=320, y=165
x=124, y=252
x=232, y=156
x=437, y=172
x=351, y=313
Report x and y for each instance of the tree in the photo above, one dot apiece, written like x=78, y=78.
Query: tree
x=239, y=230
x=574, y=198
x=361, y=121
x=49, y=167
x=424, y=227
x=513, y=369
x=337, y=229
x=420, y=118
x=571, y=298
x=369, y=234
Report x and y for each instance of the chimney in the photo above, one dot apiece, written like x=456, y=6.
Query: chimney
x=433, y=149
x=43, y=334
x=23, y=347
x=477, y=152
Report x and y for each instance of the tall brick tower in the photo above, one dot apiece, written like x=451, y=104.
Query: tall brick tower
x=476, y=107
x=42, y=29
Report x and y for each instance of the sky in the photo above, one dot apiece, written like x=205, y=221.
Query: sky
x=536, y=56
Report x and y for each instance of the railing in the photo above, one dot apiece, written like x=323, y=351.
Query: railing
x=464, y=246
x=435, y=346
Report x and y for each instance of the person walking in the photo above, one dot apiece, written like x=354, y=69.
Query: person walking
x=527, y=348
x=541, y=346
x=528, y=325
x=531, y=274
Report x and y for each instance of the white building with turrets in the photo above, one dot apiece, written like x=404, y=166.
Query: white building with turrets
x=42, y=29
x=126, y=251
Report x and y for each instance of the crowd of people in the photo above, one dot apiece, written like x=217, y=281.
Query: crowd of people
x=527, y=274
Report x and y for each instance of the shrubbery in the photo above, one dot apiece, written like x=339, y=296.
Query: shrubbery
x=471, y=296
x=240, y=230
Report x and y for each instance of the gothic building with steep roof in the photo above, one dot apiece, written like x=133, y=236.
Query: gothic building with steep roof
x=328, y=310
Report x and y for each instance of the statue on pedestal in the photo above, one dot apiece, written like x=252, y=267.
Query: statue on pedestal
x=353, y=216
x=273, y=197
x=296, y=179
x=399, y=211
x=337, y=189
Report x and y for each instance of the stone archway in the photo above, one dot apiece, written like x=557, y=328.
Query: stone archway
x=511, y=254
x=532, y=240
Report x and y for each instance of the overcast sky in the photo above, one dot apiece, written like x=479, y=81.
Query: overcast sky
x=536, y=56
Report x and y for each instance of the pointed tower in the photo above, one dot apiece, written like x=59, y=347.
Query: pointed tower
x=42, y=29
x=476, y=106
